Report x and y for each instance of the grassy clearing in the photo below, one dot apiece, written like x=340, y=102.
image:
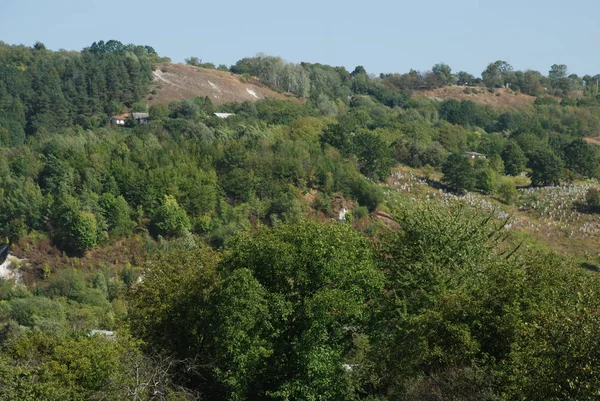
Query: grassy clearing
x=542, y=219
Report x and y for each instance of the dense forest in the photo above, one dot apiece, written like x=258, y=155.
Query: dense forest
x=196, y=257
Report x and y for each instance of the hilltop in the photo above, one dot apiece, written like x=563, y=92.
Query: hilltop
x=500, y=98
x=179, y=81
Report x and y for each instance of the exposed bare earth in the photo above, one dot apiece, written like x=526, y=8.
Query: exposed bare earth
x=179, y=81
x=593, y=141
x=501, y=98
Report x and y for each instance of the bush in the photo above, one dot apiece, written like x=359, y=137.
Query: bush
x=360, y=211
x=592, y=199
x=367, y=194
x=507, y=192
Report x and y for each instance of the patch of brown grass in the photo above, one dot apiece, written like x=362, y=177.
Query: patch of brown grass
x=593, y=141
x=39, y=252
x=501, y=98
x=179, y=81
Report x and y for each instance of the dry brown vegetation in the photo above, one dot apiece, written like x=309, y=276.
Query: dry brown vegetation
x=499, y=98
x=593, y=141
x=39, y=252
x=180, y=81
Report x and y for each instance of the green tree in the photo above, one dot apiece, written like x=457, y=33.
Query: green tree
x=171, y=219
x=374, y=155
x=195, y=61
x=273, y=320
x=117, y=213
x=464, y=78
x=74, y=230
x=559, y=80
x=582, y=158
x=546, y=168
x=443, y=73
x=514, y=159
x=486, y=180
x=140, y=107
x=459, y=174
x=316, y=295
x=496, y=74
x=158, y=111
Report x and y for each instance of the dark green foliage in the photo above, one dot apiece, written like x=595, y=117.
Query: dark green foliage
x=464, y=113
x=117, y=213
x=171, y=219
x=374, y=156
x=507, y=192
x=73, y=229
x=486, y=180
x=514, y=159
x=48, y=91
x=546, y=168
x=11, y=132
x=592, y=199
x=276, y=325
x=582, y=158
x=459, y=174
x=367, y=194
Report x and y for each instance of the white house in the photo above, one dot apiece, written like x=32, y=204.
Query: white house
x=120, y=119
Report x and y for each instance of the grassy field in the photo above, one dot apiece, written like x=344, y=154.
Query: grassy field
x=547, y=219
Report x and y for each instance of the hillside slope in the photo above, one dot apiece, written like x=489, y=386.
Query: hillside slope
x=500, y=98
x=179, y=81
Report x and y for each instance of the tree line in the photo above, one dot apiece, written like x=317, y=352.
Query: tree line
x=308, y=79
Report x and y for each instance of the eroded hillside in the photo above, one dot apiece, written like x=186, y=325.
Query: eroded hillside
x=179, y=81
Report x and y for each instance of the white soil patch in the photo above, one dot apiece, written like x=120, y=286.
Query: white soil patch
x=215, y=87
x=9, y=271
x=250, y=91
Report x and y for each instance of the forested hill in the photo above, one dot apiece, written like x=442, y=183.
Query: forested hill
x=359, y=242
x=42, y=90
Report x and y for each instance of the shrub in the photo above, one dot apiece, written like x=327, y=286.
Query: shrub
x=592, y=199
x=507, y=192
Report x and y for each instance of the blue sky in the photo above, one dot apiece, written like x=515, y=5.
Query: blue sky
x=383, y=36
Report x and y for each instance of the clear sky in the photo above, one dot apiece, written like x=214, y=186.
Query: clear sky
x=383, y=36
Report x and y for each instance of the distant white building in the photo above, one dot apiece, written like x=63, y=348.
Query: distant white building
x=141, y=118
x=106, y=333
x=475, y=155
x=121, y=119
x=223, y=115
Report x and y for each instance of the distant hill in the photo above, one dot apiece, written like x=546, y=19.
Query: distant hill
x=180, y=81
x=500, y=98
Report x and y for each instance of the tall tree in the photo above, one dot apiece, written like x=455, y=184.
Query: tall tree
x=546, y=168
x=514, y=159
x=459, y=174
